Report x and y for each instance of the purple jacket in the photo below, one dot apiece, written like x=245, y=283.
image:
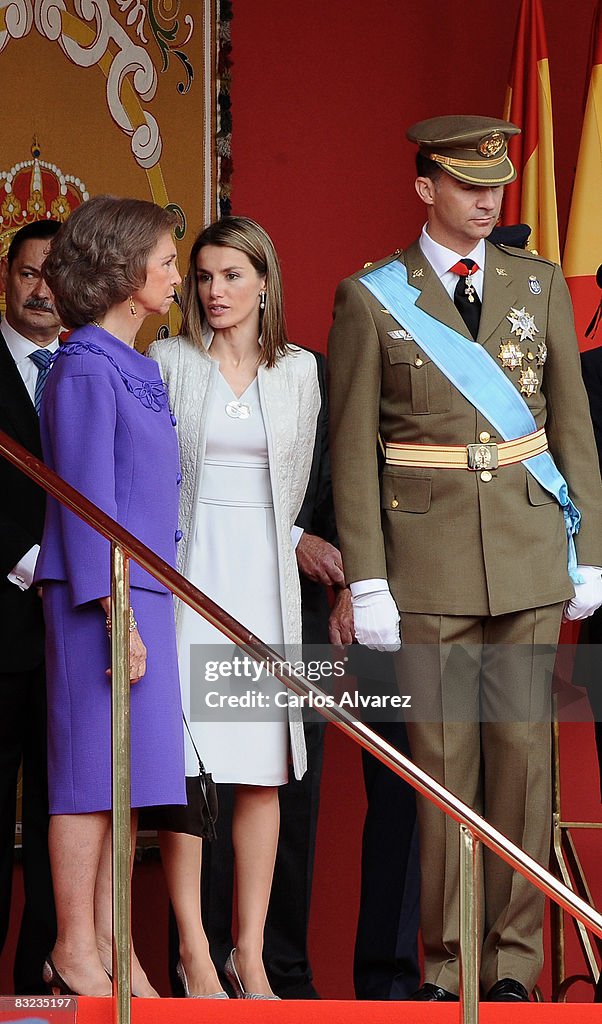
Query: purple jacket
x=106, y=429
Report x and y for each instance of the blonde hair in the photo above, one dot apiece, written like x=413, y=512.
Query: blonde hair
x=248, y=237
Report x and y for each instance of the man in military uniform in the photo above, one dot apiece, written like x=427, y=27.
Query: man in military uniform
x=462, y=357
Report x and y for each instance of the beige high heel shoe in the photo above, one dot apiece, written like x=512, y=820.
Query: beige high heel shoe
x=234, y=979
x=182, y=976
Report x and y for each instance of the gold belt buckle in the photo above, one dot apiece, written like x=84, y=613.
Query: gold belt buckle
x=482, y=456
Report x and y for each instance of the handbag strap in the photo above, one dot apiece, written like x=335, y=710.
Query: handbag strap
x=201, y=765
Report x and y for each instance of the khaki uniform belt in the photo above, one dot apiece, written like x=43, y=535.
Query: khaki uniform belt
x=468, y=456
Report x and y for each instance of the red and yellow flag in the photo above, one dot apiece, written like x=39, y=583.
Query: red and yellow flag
x=531, y=199
x=583, y=247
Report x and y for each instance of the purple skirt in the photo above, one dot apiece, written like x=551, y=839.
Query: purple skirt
x=79, y=706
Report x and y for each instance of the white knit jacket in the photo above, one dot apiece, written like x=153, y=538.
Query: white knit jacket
x=290, y=402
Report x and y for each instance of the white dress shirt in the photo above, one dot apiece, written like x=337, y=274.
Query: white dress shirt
x=441, y=259
x=20, y=349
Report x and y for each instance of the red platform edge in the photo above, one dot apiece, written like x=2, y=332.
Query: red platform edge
x=325, y=1011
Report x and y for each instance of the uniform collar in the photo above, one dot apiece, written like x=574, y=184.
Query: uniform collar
x=441, y=258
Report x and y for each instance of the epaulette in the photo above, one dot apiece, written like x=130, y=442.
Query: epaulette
x=382, y=262
x=529, y=254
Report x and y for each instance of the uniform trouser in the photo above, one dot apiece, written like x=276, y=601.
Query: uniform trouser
x=385, y=963
x=480, y=724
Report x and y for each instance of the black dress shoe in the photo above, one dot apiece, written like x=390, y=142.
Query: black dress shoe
x=507, y=990
x=428, y=993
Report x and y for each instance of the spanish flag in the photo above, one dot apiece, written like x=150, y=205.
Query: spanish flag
x=531, y=198
x=583, y=247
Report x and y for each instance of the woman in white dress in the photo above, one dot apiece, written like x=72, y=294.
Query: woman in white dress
x=246, y=404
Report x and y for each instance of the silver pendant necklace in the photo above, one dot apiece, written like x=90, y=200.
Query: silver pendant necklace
x=238, y=410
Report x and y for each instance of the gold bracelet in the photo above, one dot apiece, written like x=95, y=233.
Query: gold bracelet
x=132, y=624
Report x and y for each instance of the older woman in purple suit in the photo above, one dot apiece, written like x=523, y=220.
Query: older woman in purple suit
x=106, y=428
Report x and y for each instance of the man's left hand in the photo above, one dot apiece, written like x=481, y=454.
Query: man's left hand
x=588, y=595
x=319, y=560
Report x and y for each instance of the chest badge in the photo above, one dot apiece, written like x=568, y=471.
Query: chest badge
x=401, y=333
x=529, y=381
x=501, y=272
x=542, y=353
x=418, y=273
x=511, y=354
x=534, y=286
x=522, y=323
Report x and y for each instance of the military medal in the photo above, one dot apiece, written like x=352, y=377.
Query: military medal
x=534, y=286
x=511, y=354
x=469, y=287
x=522, y=323
x=542, y=353
x=529, y=381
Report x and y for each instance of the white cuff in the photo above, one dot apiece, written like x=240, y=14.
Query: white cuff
x=22, y=574
x=361, y=587
x=296, y=535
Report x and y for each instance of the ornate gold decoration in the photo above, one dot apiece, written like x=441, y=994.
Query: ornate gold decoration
x=511, y=354
x=529, y=381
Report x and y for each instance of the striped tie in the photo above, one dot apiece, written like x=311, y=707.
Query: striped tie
x=42, y=358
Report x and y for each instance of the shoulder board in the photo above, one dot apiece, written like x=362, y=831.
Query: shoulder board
x=379, y=263
x=524, y=254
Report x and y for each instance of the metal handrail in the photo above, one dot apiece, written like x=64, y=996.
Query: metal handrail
x=476, y=829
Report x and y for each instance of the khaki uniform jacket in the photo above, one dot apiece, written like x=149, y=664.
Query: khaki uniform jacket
x=448, y=541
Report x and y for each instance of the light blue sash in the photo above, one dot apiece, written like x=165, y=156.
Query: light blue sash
x=478, y=377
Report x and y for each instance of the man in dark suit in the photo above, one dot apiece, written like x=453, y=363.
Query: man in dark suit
x=30, y=327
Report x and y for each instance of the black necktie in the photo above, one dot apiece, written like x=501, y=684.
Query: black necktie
x=42, y=358
x=466, y=300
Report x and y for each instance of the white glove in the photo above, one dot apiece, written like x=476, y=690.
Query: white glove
x=588, y=595
x=375, y=617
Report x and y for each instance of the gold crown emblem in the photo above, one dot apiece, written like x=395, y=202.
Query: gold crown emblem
x=492, y=144
x=36, y=190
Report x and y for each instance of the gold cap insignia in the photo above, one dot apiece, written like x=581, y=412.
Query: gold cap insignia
x=492, y=144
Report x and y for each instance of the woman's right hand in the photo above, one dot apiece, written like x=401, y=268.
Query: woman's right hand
x=137, y=648
x=137, y=657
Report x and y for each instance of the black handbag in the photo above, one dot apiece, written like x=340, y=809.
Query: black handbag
x=202, y=797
